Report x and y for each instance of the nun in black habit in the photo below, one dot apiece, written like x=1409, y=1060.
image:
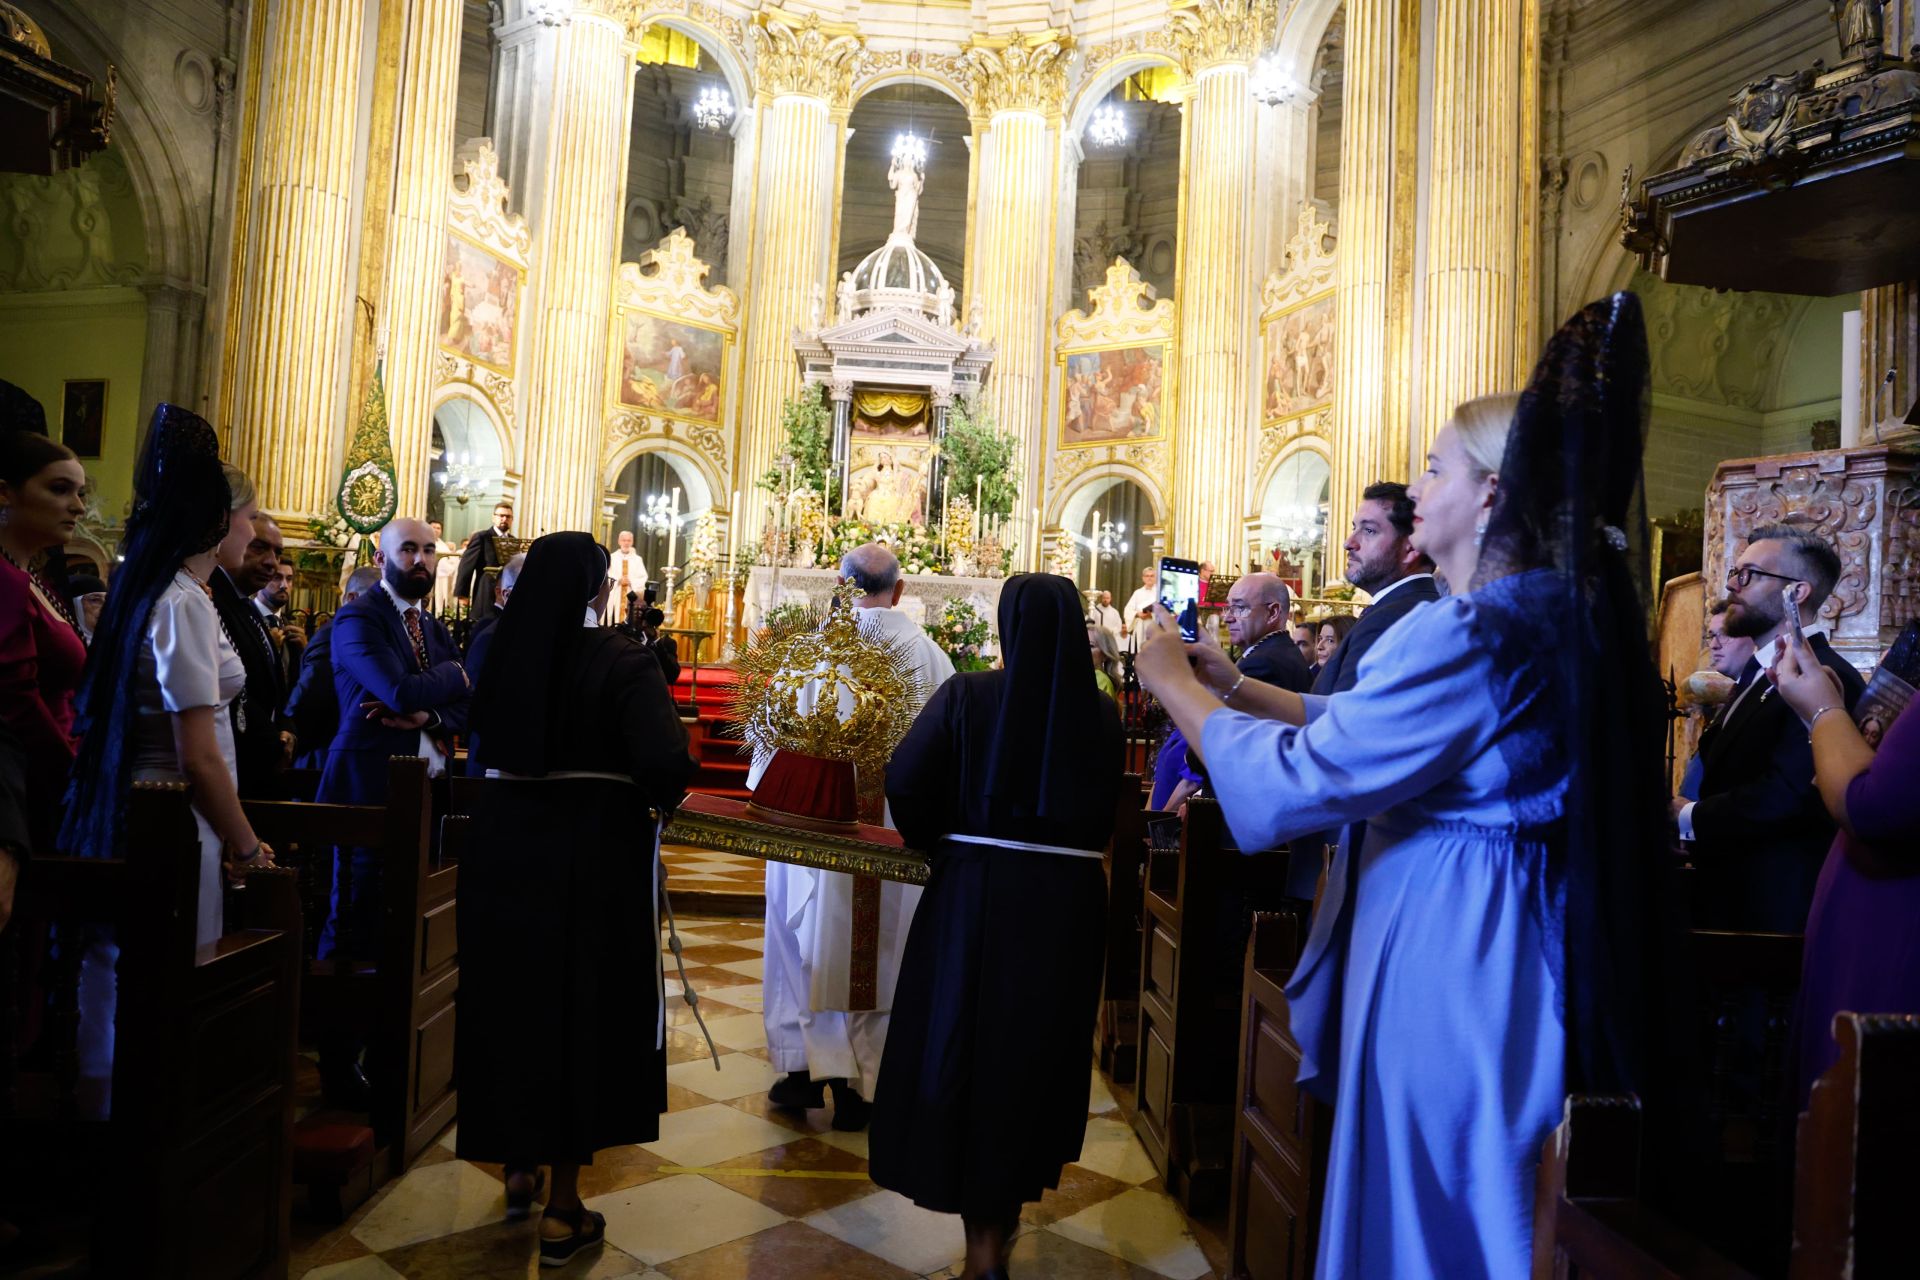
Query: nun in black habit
x=560, y=1044
x=1009, y=778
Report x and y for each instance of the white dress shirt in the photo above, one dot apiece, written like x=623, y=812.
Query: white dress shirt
x=1375, y=597
x=429, y=749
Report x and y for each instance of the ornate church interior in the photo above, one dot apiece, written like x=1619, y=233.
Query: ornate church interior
x=1093, y=290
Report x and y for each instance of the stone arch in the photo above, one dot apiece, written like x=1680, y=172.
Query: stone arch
x=703, y=482
x=495, y=416
x=1075, y=501
x=911, y=75
x=1094, y=89
x=726, y=56
x=1310, y=443
x=1301, y=29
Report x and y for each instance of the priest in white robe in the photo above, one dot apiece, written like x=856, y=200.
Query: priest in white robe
x=626, y=572
x=820, y=1031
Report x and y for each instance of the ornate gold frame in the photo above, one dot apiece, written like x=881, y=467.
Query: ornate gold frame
x=668, y=284
x=821, y=850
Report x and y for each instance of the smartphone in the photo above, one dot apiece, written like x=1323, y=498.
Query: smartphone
x=1180, y=593
x=1793, y=612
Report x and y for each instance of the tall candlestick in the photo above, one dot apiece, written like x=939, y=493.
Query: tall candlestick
x=673, y=542
x=1033, y=552
x=978, y=481
x=733, y=531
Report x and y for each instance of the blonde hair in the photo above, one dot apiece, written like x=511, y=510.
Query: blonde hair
x=1482, y=424
x=239, y=488
x=1109, y=647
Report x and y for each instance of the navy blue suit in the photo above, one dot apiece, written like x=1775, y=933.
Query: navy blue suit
x=374, y=661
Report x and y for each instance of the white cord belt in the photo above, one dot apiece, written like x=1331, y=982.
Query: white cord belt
x=559, y=775
x=1025, y=847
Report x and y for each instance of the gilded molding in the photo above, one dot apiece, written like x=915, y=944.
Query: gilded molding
x=705, y=439
x=672, y=278
x=1123, y=311
x=950, y=70
x=1156, y=42
x=820, y=850
x=1210, y=33
x=807, y=58
x=495, y=388
x=729, y=28
x=1316, y=424
x=479, y=208
x=1309, y=264
x=1022, y=74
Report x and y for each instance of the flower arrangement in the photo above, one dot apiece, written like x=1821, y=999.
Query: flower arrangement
x=918, y=549
x=703, y=549
x=806, y=524
x=959, y=531
x=961, y=633
x=1064, y=559
x=333, y=531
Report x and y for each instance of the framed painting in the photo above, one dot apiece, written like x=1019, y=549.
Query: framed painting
x=479, y=305
x=83, y=415
x=671, y=367
x=1298, y=367
x=1114, y=395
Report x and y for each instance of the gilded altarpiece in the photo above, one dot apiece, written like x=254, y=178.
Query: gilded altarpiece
x=1296, y=343
x=1114, y=410
x=482, y=286
x=671, y=354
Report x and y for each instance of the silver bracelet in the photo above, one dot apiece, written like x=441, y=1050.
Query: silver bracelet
x=1228, y=695
x=1816, y=719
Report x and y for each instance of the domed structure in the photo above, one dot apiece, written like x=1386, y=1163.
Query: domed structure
x=900, y=276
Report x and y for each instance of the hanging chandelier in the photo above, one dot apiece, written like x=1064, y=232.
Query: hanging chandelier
x=1270, y=84
x=1111, y=540
x=713, y=109
x=908, y=146
x=463, y=478
x=1108, y=128
x=658, y=515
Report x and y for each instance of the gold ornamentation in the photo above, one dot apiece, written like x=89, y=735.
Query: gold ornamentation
x=805, y=57
x=1159, y=40
x=1211, y=33
x=703, y=438
x=948, y=70
x=731, y=30
x=1024, y=73
x=793, y=676
x=1308, y=264
x=822, y=850
x=1317, y=424
x=1123, y=309
x=478, y=208
x=670, y=277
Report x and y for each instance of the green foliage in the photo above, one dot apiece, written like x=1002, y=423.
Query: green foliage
x=806, y=426
x=974, y=447
x=961, y=633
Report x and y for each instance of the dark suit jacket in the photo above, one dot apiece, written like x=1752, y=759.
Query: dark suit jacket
x=1275, y=659
x=373, y=660
x=666, y=651
x=1343, y=668
x=314, y=706
x=1760, y=827
x=481, y=553
x=257, y=746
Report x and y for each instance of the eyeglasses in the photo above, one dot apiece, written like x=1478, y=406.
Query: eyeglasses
x=1741, y=577
x=1239, y=609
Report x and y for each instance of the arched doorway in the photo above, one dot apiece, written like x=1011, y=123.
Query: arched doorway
x=647, y=483
x=469, y=473
x=1293, y=521
x=681, y=149
x=1111, y=558
x=1127, y=187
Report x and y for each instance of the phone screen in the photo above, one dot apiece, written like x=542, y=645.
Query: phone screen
x=1180, y=593
x=1792, y=608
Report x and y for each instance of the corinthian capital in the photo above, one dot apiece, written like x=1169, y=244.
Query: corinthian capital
x=1026, y=73
x=1211, y=33
x=805, y=57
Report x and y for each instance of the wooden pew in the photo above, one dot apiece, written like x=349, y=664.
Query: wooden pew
x=1197, y=908
x=1280, y=1133
x=1119, y=1025
x=403, y=1003
x=190, y=1176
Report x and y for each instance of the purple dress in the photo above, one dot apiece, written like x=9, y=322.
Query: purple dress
x=1862, y=951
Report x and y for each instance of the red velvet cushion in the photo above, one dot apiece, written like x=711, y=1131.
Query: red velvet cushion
x=329, y=1150
x=808, y=787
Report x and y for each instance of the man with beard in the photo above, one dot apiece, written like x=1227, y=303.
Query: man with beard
x=483, y=552
x=262, y=737
x=1381, y=561
x=402, y=692
x=288, y=636
x=1759, y=827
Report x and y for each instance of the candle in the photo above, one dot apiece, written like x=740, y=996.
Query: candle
x=978, y=481
x=673, y=542
x=733, y=532
x=1033, y=552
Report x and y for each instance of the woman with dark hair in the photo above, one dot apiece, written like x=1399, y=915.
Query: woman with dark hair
x=1333, y=629
x=561, y=1039
x=1483, y=951
x=42, y=497
x=1010, y=779
x=159, y=680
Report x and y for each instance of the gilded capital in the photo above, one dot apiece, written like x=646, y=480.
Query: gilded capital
x=805, y=57
x=1211, y=33
x=1026, y=73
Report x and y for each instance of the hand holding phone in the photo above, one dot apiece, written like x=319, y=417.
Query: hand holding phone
x=1792, y=606
x=1180, y=593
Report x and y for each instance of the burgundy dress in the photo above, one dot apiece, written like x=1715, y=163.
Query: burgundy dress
x=1862, y=950
x=41, y=658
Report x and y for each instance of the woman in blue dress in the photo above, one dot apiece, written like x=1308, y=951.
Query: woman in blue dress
x=1459, y=978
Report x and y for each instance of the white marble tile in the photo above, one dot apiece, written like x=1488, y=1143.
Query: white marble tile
x=687, y=940
x=896, y=1229
x=1142, y=1227
x=752, y=944
x=446, y=1138
x=739, y=1031
x=746, y=968
x=1099, y=1097
x=855, y=1142
x=739, y=1074
x=1111, y=1148
x=748, y=995
x=367, y=1268
x=673, y=1217
x=431, y=1202
x=702, y=1136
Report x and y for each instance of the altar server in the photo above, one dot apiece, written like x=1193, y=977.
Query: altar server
x=1010, y=779
x=626, y=572
x=828, y=1002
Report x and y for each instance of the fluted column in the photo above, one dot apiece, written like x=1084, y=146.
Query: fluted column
x=416, y=236
x=579, y=241
x=1470, y=313
x=805, y=77
x=1889, y=353
x=1365, y=448
x=290, y=391
x=1219, y=39
x=1018, y=87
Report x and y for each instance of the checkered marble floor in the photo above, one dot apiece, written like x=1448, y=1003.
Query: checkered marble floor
x=735, y=1190
x=704, y=871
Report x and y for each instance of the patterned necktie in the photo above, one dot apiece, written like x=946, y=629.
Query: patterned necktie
x=418, y=637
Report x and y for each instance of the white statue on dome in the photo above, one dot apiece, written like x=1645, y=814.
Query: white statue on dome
x=844, y=297
x=908, y=182
x=946, y=304
x=816, y=308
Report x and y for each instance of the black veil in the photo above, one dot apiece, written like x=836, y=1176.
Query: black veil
x=180, y=509
x=1570, y=501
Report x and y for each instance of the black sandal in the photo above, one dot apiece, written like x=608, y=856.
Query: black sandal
x=520, y=1203
x=589, y=1229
